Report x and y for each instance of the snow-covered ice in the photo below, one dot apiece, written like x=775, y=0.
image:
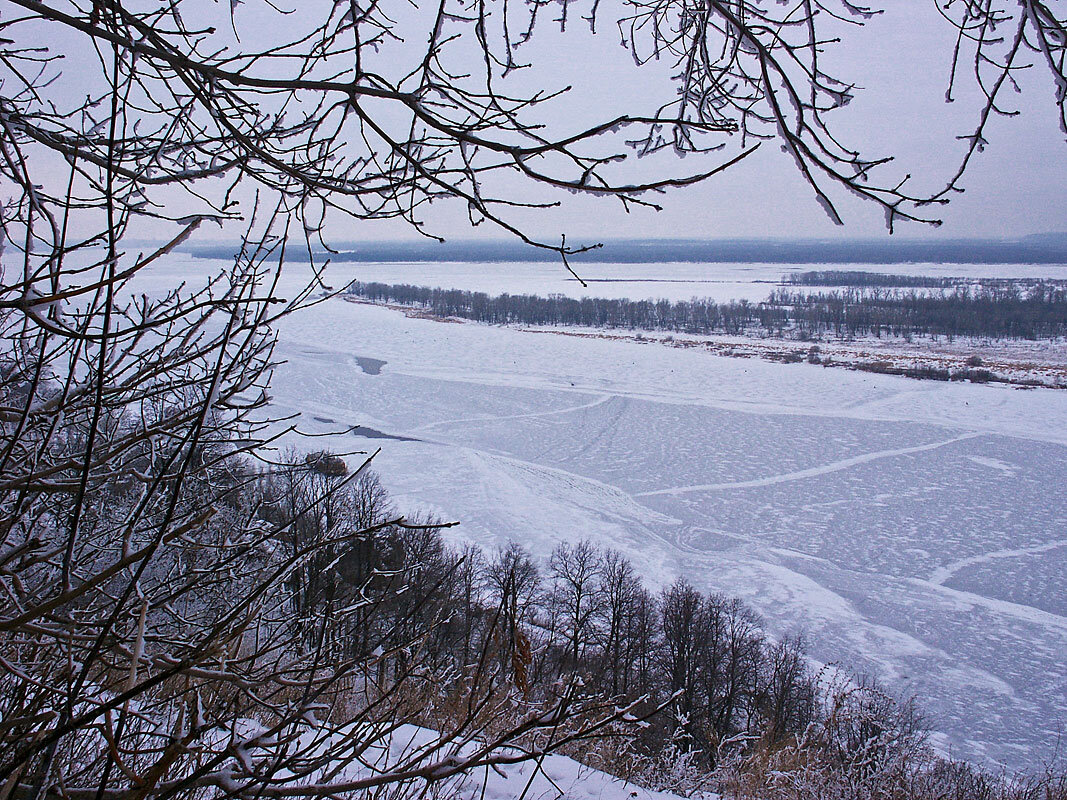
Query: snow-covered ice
x=914, y=529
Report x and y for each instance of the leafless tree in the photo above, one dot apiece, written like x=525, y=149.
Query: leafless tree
x=996, y=42
x=148, y=646
x=619, y=589
x=513, y=582
x=684, y=625
x=575, y=599
x=640, y=637
x=788, y=693
x=731, y=665
x=470, y=567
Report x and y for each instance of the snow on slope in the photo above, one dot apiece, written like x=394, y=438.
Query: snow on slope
x=558, y=778
x=555, y=777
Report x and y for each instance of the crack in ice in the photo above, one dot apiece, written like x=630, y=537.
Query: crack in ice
x=812, y=472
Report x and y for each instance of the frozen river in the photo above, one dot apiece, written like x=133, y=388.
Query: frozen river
x=917, y=531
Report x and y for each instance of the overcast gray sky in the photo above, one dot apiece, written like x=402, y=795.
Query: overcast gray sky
x=901, y=58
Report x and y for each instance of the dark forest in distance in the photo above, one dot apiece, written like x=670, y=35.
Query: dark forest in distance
x=999, y=310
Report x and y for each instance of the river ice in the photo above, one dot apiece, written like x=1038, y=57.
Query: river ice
x=917, y=531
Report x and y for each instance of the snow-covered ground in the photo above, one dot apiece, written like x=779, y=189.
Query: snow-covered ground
x=916, y=530
x=555, y=777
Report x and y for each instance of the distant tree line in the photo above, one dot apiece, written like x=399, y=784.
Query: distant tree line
x=855, y=278
x=861, y=278
x=996, y=311
x=988, y=311
x=695, y=316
